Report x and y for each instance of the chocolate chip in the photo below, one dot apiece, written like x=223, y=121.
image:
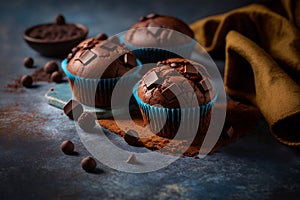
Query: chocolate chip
x=150, y=79
x=132, y=138
x=50, y=67
x=114, y=39
x=110, y=46
x=88, y=164
x=74, y=50
x=73, y=109
x=142, y=18
x=173, y=65
x=101, y=36
x=86, y=57
x=171, y=92
x=60, y=19
x=26, y=81
x=86, y=121
x=28, y=62
x=67, y=147
x=190, y=69
x=129, y=59
x=70, y=56
x=205, y=85
x=56, y=77
x=152, y=15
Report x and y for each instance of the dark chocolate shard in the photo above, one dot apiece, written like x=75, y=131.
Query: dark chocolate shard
x=171, y=92
x=101, y=36
x=205, y=85
x=110, y=46
x=173, y=65
x=152, y=15
x=129, y=59
x=150, y=79
x=73, y=109
x=190, y=69
x=86, y=57
x=142, y=18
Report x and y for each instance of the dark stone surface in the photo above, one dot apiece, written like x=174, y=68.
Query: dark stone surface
x=32, y=166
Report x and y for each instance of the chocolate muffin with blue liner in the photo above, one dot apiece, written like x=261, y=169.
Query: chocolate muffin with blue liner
x=95, y=66
x=178, y=91
x=159, y=37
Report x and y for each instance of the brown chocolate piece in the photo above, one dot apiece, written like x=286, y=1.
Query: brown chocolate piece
x=86, y=121
x=56, y=77
x=67, y=147
x=205, y=84
x=150, y=79
x=142, y=18
x=26, y=81
x=101, y=36
x=60, y=19
x=87, y=57
x=114, y=39
x=129, y=60
x=173, y=65
x=190, y=69
x=110, y=46
x=28, y=62
x=132, y=138
x=51, y=67
x=171, y=92
x=88, y=164
x=152, y=15
x=73, y=109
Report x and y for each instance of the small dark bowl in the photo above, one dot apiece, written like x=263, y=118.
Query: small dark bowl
x=52, y=48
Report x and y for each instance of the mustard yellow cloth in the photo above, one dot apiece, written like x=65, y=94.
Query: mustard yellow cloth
x=261, y=44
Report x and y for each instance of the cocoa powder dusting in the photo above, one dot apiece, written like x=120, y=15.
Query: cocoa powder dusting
x=242, y=117
x=38, y=75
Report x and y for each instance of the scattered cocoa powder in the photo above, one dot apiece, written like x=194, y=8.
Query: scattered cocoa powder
x=241, y=116
x=38, y=75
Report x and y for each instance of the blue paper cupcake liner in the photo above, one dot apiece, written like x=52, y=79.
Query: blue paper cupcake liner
x=164, y=122
x=95, y=92
x=153, y=55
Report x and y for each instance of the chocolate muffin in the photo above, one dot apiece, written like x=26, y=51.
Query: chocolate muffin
x=158, y=37
x=95, y=66
x=179, y=91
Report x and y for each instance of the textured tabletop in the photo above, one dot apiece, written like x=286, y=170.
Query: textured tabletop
x=32, y=165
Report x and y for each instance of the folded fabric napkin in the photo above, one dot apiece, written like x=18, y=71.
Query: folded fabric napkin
x=261, y=44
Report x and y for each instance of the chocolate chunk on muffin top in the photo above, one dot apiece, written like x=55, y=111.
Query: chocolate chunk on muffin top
x=100, y=58
x=175, y=83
